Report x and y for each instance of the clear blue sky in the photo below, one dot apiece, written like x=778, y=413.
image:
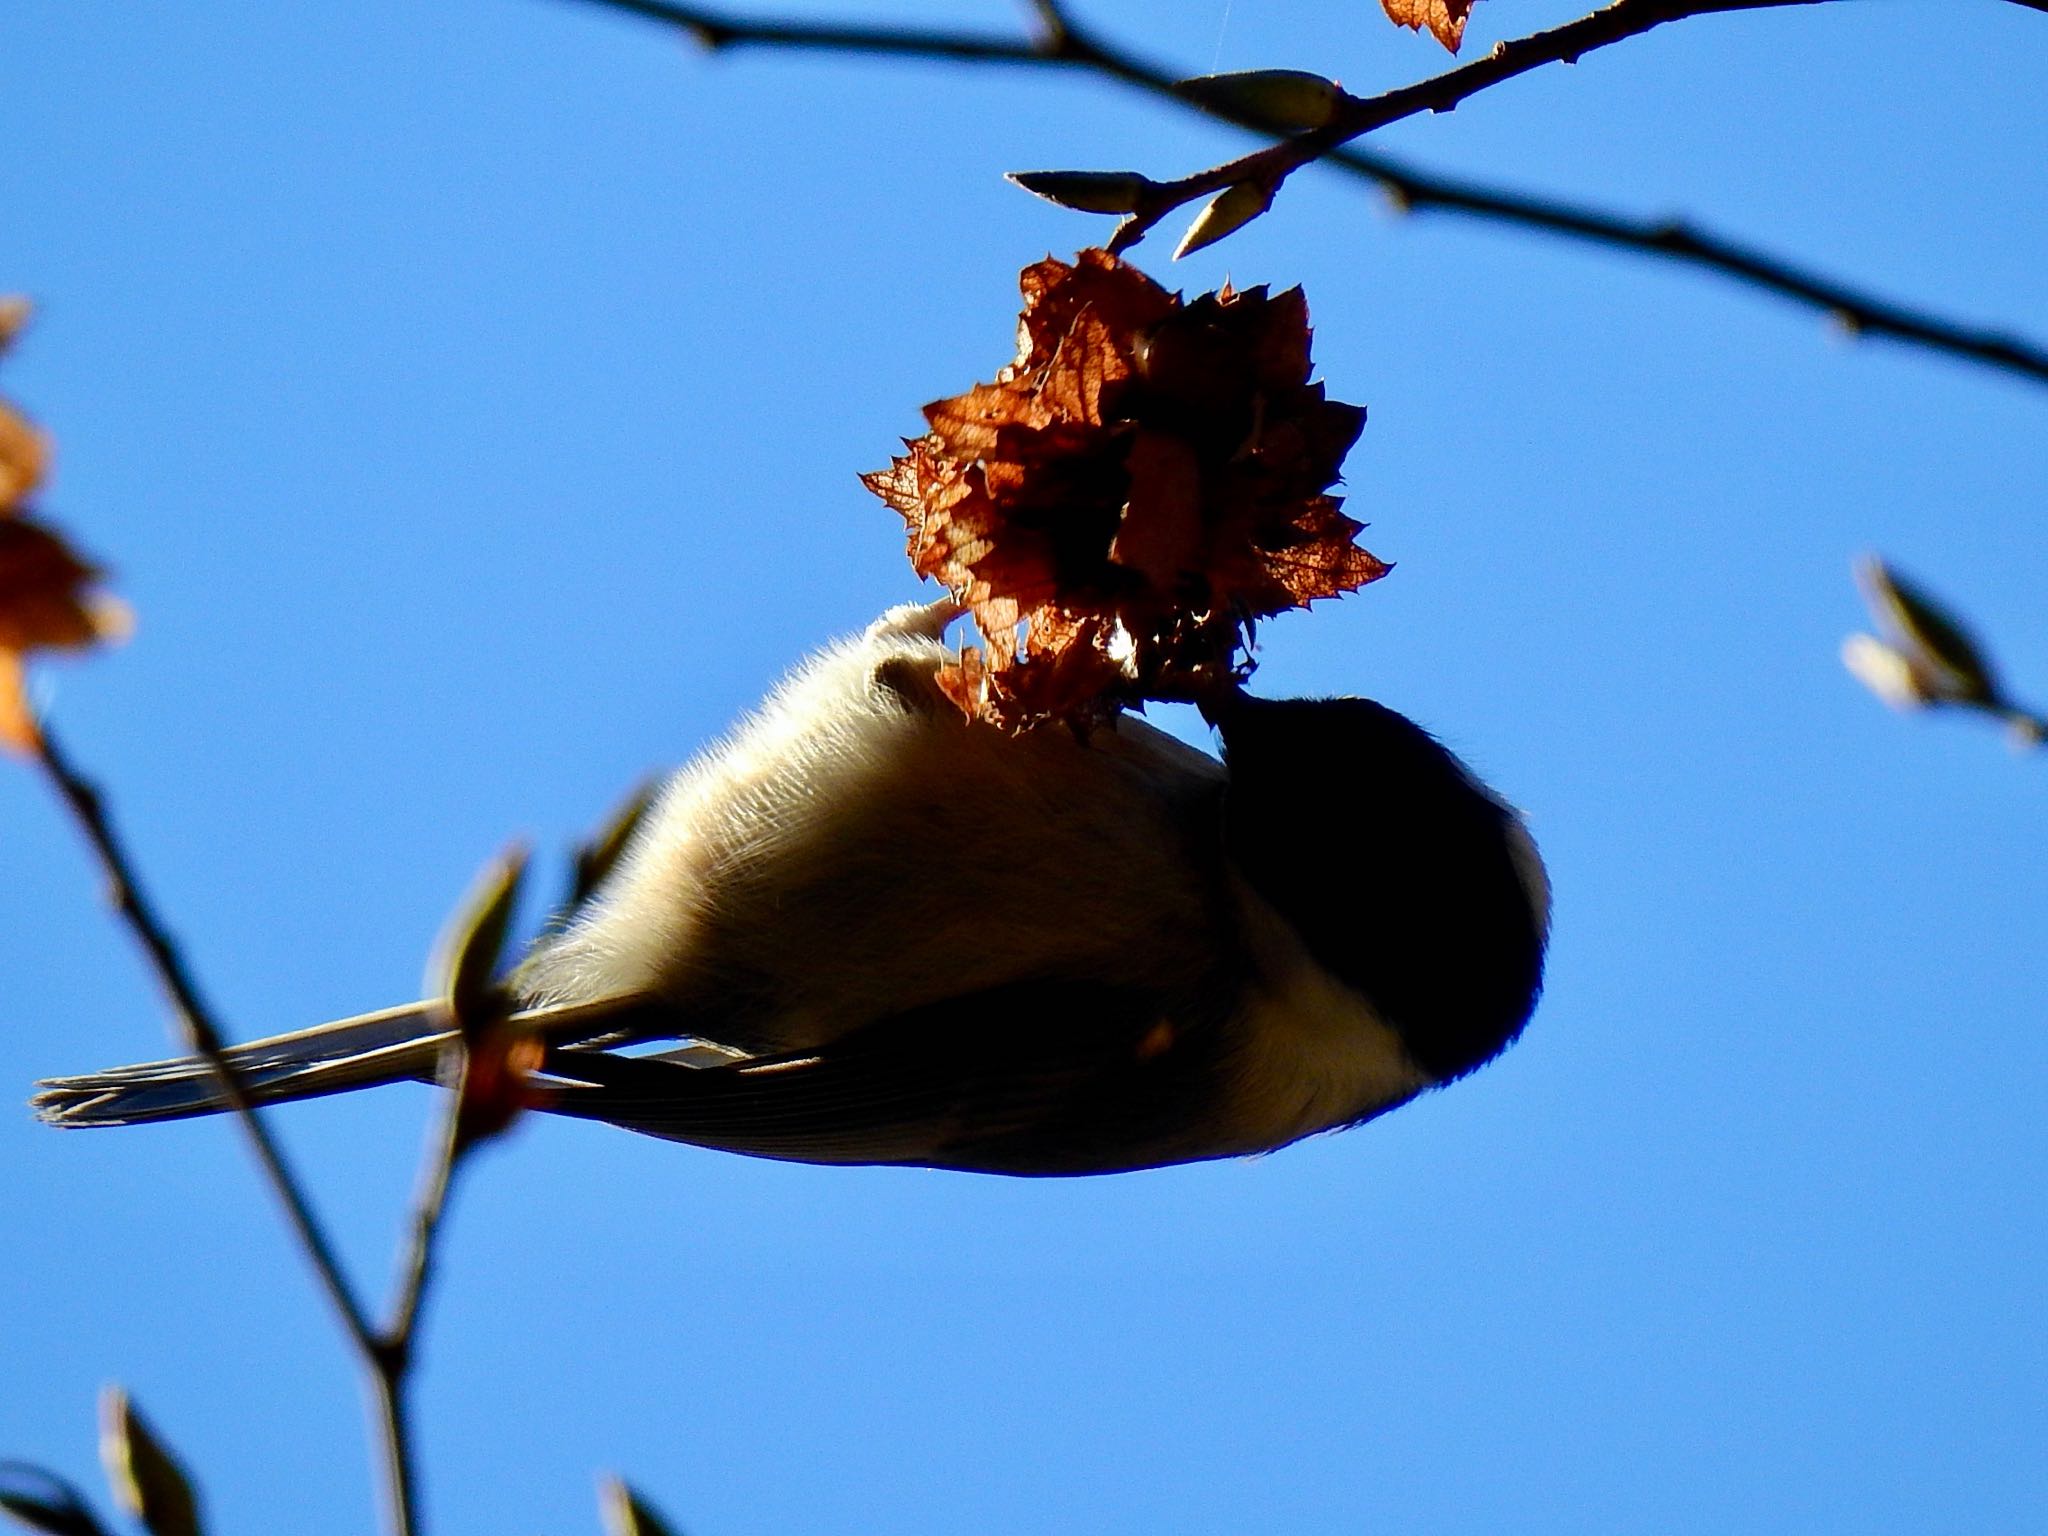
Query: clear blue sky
x=470, y=395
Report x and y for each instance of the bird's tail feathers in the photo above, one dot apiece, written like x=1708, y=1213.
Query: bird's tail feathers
x=390, y=1046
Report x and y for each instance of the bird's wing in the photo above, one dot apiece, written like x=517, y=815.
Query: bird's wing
x=1042, y=1077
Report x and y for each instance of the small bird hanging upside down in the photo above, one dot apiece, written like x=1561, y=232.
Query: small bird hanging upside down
x=871, y=931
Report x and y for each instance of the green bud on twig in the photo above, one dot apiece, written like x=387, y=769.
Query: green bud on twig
x=1229, y=211
x=146, y=1479
x=1087, y=191
x=626, y=1513
x=596, y=858
x=463, y=972
x=1941, y=652
x=1283, y=100
x=1884, y=671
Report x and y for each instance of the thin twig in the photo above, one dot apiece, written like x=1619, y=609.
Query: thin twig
x=387, y=1353
x=1062, y=43
x=716, y=31
x=392, y=1355
x=394, y=1438
x=416, y=1266
x=1356, y=116
x=202, y=1035
x=456, y=1133
x=1858, y=311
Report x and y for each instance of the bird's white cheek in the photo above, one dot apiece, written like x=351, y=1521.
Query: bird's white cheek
x=1316, y=1055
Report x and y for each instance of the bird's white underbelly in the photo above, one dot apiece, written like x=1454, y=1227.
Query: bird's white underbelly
x=845, y=853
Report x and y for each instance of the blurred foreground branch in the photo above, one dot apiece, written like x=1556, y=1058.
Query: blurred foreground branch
x=384, y=1354
x=1059, y=41
x=195, y=1022
x=488, y=1066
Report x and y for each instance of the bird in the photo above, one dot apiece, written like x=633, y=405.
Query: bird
x=864, y=929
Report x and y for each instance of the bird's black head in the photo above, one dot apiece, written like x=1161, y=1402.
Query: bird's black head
x=1403, y=875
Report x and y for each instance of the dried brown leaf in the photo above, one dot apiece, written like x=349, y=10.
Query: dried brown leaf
x=24, y=459
x=14, y=313
x=497, y=1085
x=24, y=453
x=1443, y=19
x=18, y=732
x=48, y=601
x=1143, y=480
x=46, y=596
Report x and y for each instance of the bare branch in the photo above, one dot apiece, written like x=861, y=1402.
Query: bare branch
x=393, y=1352
x=1356, y=116
x=386, y=1354
x=1860, y=312
x=1411, y=188
x=202, y=1035
x=718, y=31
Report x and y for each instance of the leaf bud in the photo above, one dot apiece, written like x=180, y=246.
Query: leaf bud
x=597, y=858
x=1885, y=672
x=1283, y=100
x=1087, y=191
x=1940, y=650
x=1229, y=211
x=464, y=968
x=145, y=1477
x=626, y=1513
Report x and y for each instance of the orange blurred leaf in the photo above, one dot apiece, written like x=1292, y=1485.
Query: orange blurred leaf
x=24, y=459
x=1444, y=19
x=18, y=731
x=24, y=455
x=1145, y=480
x=47, y=602
x=497, y=1081
x=14, y=313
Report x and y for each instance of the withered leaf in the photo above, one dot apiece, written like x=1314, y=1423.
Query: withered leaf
x=23, y=451
x=14, y=313
x=24, y=459
x=24, y=454
x=1144, y=480
x=1444, y=19
x=496, y=1085
x=47, y=602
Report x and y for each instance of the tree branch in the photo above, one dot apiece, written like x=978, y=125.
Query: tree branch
x=387, y=1353
x=392, y=1354
x=1355, y=117
x=202, y=1035
x=1060, y=43
x=717, y=31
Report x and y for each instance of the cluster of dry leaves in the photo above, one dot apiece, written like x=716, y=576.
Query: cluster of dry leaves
x=1147, y=479
x=48, y=591
x=1445, y=19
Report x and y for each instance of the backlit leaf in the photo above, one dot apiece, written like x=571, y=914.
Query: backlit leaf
x=1443, y=19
